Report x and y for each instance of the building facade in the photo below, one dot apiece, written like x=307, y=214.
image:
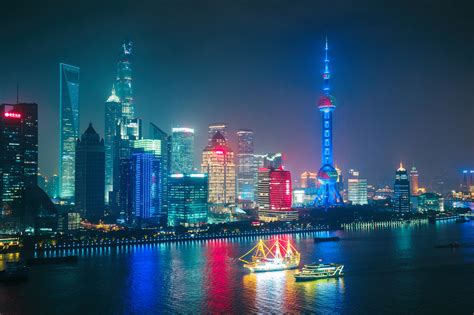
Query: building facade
x=182, y=150
x=246, y=169
x=218, y=163
x=401, y=190
x=90, y=175
x=18, y=155
x=124, y=82
x=113, y=116
x=309, y=179
x=415, y=186
x=68, y=127
x=357, y=191
x=214, y=128
x=430, y=202
x=275, y=195
x=187, y=195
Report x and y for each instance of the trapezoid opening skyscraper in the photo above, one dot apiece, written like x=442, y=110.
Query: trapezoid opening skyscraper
x=328, y=193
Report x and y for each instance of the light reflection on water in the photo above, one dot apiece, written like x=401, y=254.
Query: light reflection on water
x=387, y=270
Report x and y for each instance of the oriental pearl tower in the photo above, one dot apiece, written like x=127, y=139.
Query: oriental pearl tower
x=328, y=194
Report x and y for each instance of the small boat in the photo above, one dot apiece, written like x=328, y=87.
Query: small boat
x=14, y=272
x=274, y=256
x=326, y=239
x=319, y=271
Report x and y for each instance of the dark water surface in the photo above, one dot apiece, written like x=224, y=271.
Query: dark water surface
x=388, y=271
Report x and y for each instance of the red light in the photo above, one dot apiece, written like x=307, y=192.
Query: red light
x=12, y=115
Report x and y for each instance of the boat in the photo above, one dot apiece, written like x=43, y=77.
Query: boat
x=326, y=239
x=14, y=272
x=319, y=271
x=450, y=245
x=274, y=255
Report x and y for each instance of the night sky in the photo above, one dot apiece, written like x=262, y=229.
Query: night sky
x=403, y=74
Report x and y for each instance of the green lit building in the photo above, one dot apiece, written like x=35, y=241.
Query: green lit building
x=187, y=199
x=430, y=202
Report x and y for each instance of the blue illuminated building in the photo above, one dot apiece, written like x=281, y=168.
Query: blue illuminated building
x=328, y=194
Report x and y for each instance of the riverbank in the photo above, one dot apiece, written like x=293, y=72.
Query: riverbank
x=41, y=247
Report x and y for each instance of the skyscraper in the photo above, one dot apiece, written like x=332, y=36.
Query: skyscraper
x=328, y=194
x=275, y=195
x=68, y=127
x=182, y=150
x=113, y=114
x=414, y=181
x=18, y=155
x=401, y=190
x=309, y=179
x=214, y=128
x=146, y=178
x=124, y=80
x=218, y=164
x=90, y=175
x=156, y=133
x=357, y=189
x=245, y=166
x=187, y=197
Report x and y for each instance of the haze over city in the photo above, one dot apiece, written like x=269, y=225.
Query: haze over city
x=402, y=75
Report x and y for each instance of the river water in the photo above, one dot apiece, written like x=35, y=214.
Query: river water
x=388, y=271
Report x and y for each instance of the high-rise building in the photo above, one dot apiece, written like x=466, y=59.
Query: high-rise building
x=327, y=174
x=18, y=155
x=357, y=189
x=124, y=80
x=187, y=198
x=309, y=179
x=53, y=187
x=414, y=181
x=401, y=190
x=113, y=116
x=246, y=169
x=90, y=175
x=218, y=164
x=165, y=163
x=214, y=128
x=182, y=150
x=147, y=179
x=68, y=127
x=275, y=195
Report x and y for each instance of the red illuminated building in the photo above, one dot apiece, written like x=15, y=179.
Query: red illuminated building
x=275, y=195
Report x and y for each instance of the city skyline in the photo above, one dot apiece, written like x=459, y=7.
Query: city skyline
x=393, y=103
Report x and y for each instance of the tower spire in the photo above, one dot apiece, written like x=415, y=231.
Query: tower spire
x=327, y=73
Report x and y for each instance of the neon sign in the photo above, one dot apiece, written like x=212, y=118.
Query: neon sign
x=12, y=115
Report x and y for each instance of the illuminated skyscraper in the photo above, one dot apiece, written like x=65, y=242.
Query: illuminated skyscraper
x=214, y=128
x=68, y=127
x=90, y=175
x=328, y=194
x=275, y=195
x=187, y=197
x=113, y=114
x=357, y=189
x=218, y=164
x=401, y=190
x=165, y=163
x=124, y=80
x=414, y=181
x=182, y=150
x=245, y=166
x=18, y=155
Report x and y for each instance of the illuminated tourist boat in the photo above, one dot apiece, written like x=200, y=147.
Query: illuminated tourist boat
x=319, y=271
x=277, y=255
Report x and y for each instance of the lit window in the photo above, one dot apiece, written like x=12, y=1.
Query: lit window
x=326, y=124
